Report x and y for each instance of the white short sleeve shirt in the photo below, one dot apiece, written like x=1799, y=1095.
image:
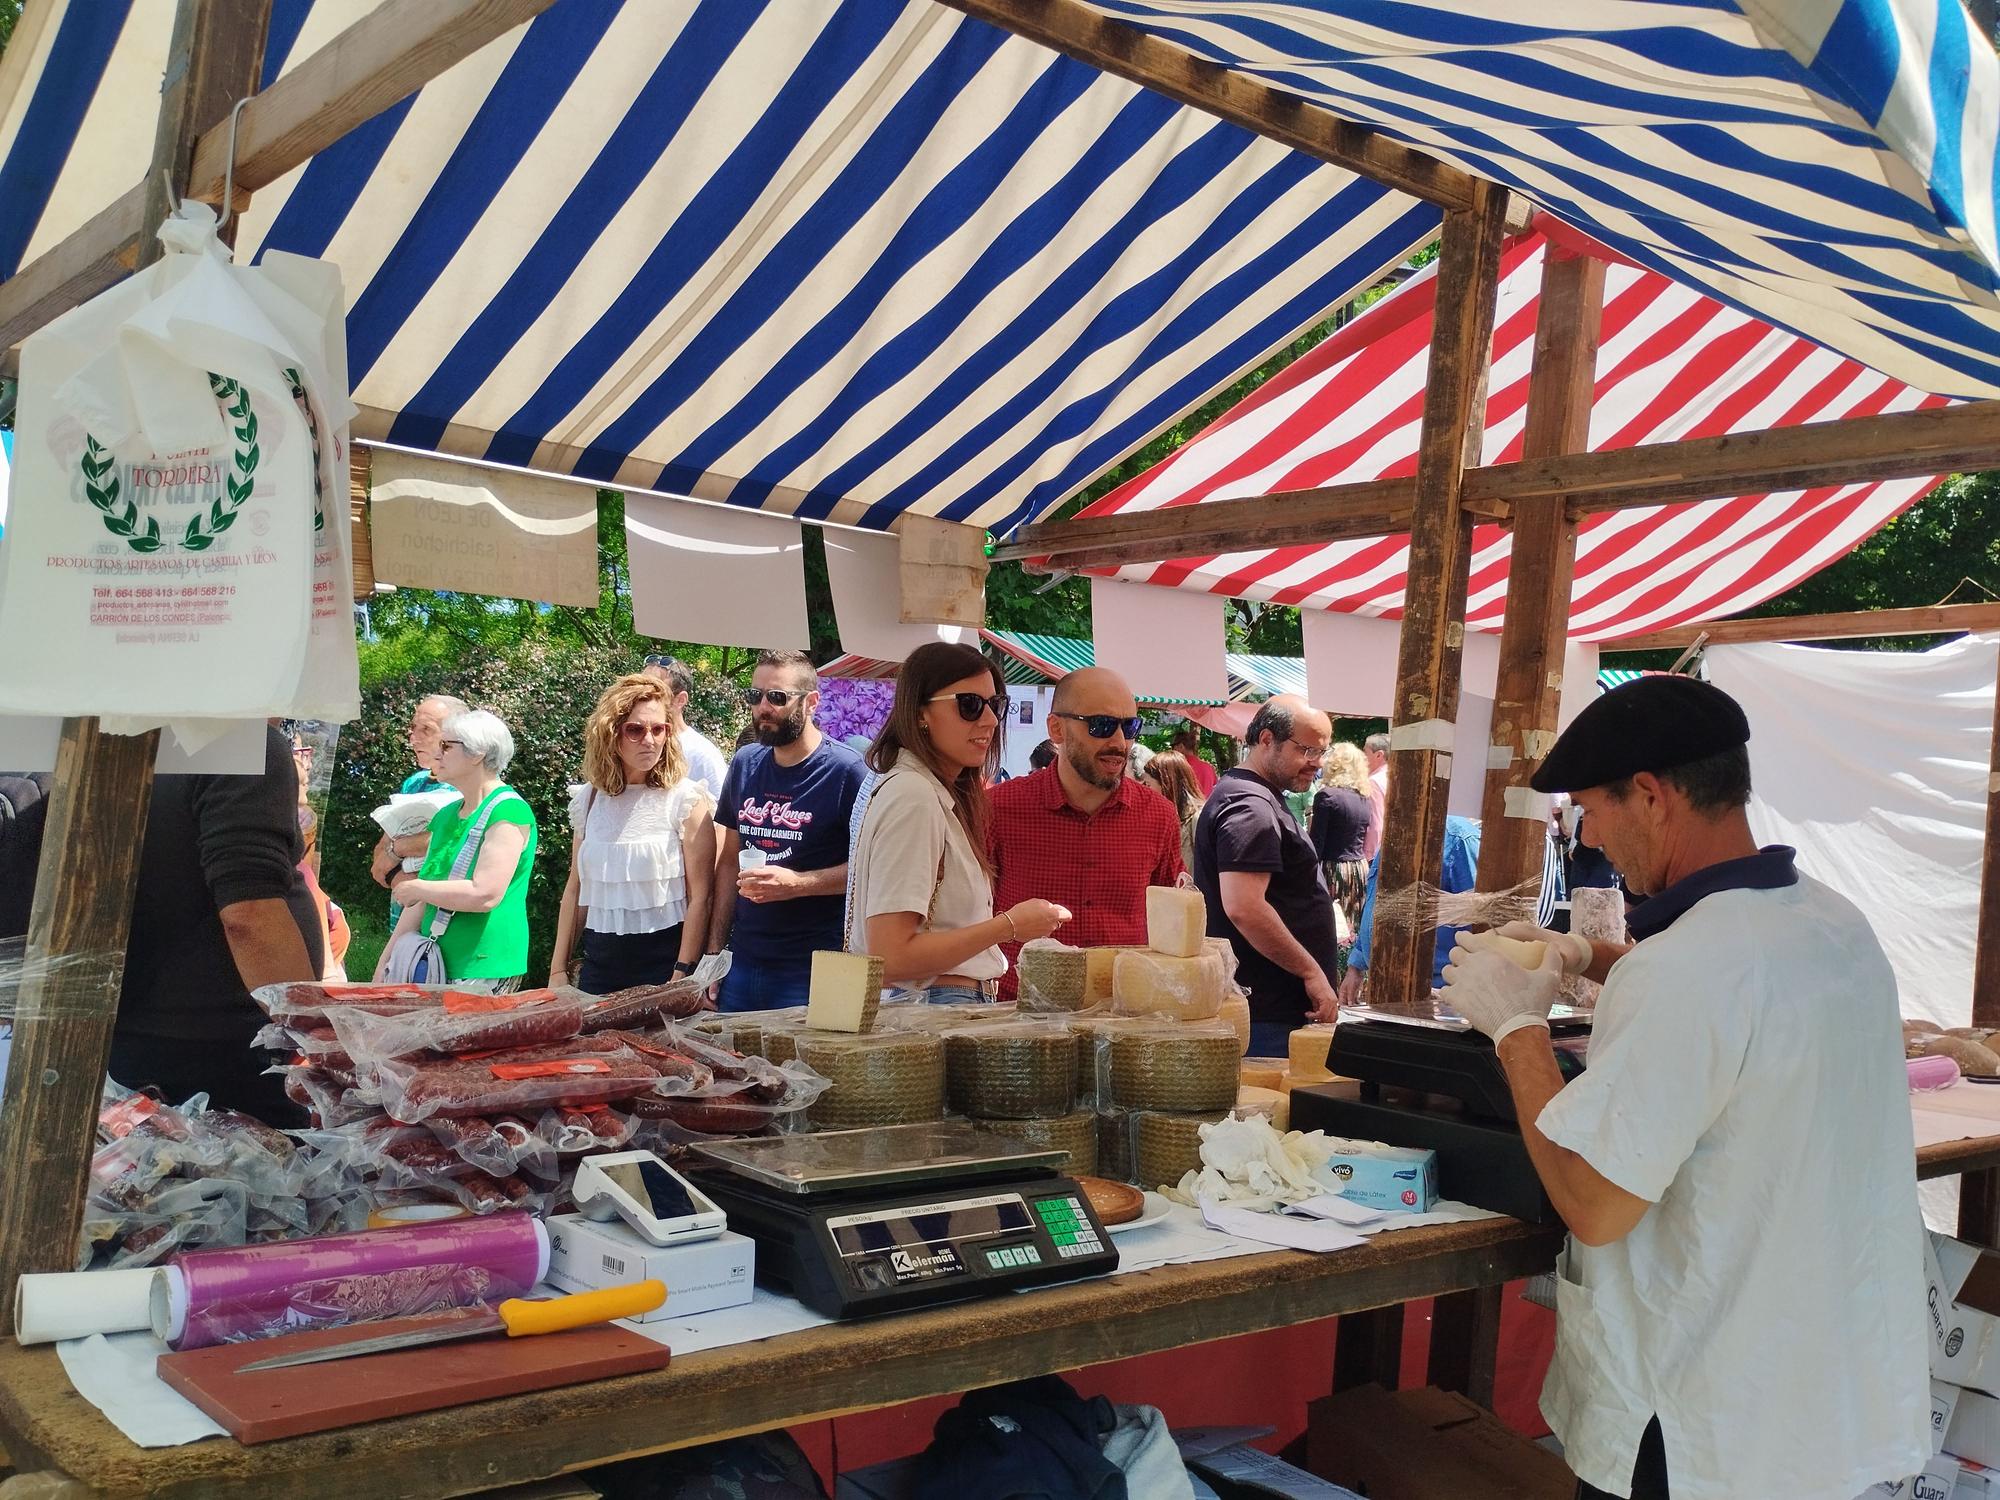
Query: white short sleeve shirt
x=706, y=764
x=1746, y=1077
x=911, y=854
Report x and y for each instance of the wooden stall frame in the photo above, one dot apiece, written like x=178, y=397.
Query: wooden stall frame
x=86, y=883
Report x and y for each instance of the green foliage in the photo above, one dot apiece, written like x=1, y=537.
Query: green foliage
x=543, y=686
x=10, y=12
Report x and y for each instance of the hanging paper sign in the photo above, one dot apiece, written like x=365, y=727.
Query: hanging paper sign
x=171, y=550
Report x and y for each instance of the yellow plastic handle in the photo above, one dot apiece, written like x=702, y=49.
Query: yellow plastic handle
x=581, y=1309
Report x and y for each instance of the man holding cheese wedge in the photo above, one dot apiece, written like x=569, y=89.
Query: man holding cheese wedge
x=1740, y=1308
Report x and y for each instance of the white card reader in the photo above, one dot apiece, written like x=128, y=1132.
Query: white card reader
x=659, y=1204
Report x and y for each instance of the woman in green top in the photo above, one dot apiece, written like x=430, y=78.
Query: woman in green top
x=486, y=944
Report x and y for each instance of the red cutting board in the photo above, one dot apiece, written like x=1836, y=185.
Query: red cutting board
x=267, y=1404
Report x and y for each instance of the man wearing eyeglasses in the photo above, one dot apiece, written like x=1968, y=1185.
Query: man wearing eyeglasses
x=1261, y=878
x=783, y=822
x=1081, y=833
x=706, y=764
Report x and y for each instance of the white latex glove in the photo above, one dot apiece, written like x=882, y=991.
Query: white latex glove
x=1496, y=994
x=1573, y=948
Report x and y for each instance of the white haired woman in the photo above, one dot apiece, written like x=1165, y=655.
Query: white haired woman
x=474, y=883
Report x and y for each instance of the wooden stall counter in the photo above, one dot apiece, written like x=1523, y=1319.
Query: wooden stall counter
x=798, y=1377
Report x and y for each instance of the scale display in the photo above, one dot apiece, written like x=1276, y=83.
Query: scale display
x=861, y=1250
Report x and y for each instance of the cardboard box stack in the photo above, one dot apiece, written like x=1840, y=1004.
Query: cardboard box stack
x=1962, y=1305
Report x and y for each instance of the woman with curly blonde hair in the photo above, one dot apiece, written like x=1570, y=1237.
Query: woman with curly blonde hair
x=1340, y=828
x=642, y=856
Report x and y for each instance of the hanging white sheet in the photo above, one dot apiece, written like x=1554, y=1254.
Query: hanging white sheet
x=1873, y=765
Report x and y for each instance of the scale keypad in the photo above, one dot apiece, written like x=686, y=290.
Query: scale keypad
x=1069, y=1227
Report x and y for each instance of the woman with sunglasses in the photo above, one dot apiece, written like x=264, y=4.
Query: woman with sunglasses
x=921, y=891
x=483, y=898
x=642, y=852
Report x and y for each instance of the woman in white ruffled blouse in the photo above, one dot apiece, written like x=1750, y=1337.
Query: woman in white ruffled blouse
x=642, y=858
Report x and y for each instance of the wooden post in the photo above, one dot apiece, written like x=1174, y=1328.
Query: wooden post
x=360, y=465
x=103, y=789
x=1427, y=666
x=1979, y=1192
x=1529, y=691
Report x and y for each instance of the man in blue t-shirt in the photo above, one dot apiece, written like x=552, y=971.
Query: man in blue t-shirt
x=783, y=818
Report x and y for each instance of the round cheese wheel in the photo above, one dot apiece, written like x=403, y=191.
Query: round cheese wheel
x=1166, y=1147
x=1075, y=1133
x=877, y=1078
x=1020, y=1071
x=1188, y=1068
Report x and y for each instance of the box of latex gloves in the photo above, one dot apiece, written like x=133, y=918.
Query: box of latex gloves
x=1939, y=1481
x=700, y=1277
x=1962, y=1311
x=1395, y=1179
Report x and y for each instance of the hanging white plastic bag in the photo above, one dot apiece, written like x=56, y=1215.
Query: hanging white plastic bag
x=175, y=439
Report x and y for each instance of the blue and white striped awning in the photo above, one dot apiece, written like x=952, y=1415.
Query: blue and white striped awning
x=854, y=259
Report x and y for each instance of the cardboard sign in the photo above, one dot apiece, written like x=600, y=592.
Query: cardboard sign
x=435, y=523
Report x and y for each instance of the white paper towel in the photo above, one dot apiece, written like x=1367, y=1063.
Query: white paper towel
x=73, y=1304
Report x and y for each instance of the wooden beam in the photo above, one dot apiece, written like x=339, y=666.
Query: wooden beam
x=1528, y=692
x=377, y=62
x=1859, y=450
x=359, y=467
x=1427, y=665
x=1076, y=30
x=102, y=793
x=1860, y=624
x=95, y=257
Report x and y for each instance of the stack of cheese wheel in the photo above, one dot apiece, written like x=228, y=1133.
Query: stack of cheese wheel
x=1114, y=1145
x=1166, y=1147
x=876, y=1078
x=1019, y=1071
x=782, y=1030
x=1093, y=1058
x=1177, y=975
x=1181, y=1068
x=1075, y=1132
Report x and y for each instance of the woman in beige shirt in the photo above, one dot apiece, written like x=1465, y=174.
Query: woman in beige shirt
x=922, y=891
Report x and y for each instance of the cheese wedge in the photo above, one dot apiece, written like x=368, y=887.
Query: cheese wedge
x=1528, y=955
x=1176, y=921
x=1307, y=1047
x=845, y=991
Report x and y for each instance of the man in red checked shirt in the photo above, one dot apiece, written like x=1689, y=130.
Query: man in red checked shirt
x=1080, y=832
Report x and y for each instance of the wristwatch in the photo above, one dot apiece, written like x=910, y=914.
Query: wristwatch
x=683, y=967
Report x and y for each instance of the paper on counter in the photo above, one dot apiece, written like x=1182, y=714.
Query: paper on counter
x=117, y=1375
x=1340, y=1210
x=764, y=1316
x=1318, y=1235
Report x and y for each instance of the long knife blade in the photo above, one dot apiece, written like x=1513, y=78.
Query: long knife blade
x=452, y=1328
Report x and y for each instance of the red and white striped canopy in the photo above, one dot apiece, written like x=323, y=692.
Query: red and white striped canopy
x=1672, y=364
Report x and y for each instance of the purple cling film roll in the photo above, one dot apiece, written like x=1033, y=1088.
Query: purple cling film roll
x=228, y=1295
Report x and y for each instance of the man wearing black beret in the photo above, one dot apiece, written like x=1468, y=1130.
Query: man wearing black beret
x=1740, y=1306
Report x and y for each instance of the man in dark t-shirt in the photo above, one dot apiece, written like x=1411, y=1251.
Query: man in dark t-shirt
x=1260, y=875
x=785, y=805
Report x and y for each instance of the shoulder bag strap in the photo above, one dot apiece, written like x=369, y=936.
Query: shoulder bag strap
x=468, y=854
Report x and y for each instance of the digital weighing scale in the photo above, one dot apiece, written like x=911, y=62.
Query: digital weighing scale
x=1427, y=1079
x=857, y=1222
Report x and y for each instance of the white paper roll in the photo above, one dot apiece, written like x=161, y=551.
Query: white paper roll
x=74, y=1304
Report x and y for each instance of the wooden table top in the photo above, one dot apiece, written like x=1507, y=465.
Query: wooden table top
x=803, y=1376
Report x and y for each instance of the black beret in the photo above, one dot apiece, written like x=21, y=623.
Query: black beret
x=1650, y=724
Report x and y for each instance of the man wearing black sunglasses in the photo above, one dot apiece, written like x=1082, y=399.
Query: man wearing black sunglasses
x=1081, y=832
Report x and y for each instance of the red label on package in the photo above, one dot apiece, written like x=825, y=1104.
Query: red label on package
x=464, y=1002
x=123, y=1117
x=562, y=1067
